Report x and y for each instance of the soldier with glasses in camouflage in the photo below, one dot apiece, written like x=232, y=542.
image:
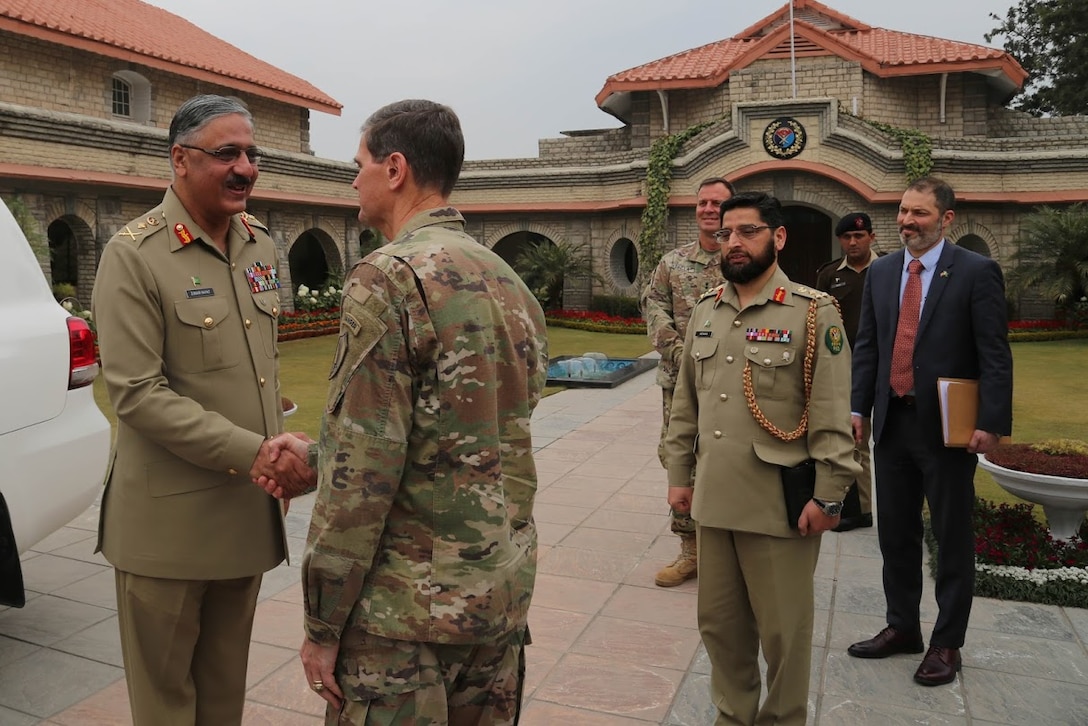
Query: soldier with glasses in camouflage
x=421, y=556
x=681, y=277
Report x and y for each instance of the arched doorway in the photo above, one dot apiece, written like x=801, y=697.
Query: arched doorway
x=71, y=255
x=513, y=245
x=974, y=243
x=314, y=260
x=809, y=244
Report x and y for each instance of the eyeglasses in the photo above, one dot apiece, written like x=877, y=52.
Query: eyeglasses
x=748, y=231
x=230, y=154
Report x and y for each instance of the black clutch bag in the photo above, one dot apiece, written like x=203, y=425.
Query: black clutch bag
x=798, y=486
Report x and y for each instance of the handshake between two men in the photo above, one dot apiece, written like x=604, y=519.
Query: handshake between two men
x=282, y=466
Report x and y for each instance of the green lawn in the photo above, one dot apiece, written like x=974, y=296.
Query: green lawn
x=1050, y=397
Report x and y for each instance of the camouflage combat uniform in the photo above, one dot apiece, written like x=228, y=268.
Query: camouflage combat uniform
x=680, y=278
x=421, y=555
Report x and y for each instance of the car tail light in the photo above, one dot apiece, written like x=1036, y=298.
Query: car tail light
x=83, y=363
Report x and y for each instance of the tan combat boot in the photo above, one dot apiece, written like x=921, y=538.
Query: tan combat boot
x=683, y=569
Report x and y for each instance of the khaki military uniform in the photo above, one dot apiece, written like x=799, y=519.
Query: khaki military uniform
x=681, y=277
x=845, y=284
x=422, y=545
x=188, y=344
x=756, y=572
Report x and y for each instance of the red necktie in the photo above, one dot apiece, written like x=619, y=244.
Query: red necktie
x=902, y=378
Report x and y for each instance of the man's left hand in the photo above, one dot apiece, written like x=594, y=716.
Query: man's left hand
x=814, y=521
x=319, y=662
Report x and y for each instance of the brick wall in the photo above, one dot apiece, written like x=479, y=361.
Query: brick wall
x=817, y=77
x=52, y=77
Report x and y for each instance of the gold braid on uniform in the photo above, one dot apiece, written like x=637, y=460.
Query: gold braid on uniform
x=750, y=394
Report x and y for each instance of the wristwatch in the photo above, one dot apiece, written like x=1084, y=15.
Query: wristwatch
x=830, y=509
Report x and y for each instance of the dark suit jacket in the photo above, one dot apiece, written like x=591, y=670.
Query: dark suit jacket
x=962, y=333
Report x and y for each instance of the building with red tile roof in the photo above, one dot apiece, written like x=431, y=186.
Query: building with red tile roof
x=811, y=104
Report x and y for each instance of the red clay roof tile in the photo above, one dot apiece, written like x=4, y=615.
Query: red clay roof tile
x=135, y=31
x=882, y=52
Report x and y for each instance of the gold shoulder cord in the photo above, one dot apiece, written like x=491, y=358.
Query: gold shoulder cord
x=750, y=395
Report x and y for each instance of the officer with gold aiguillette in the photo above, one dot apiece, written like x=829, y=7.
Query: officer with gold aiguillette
x=761, y=400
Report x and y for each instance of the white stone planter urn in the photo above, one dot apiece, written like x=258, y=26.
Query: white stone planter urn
x=1064, y=499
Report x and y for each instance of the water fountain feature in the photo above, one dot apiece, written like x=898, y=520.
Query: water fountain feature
x=595, y=370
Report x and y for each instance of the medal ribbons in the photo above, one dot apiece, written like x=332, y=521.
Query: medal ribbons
x=262, y=278
x=768, y=335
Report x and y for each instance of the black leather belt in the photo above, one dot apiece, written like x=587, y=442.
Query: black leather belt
x=904, y=401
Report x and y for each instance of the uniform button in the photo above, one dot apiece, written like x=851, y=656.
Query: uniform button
x=262, y=380
x=233, y=265
x=755, y=349
x=766, y=361
x=717, y=434
x=724, y=396
x=208, y=322
x=698, y=355
x=736, y=323
x=248, y=322
x=232, y=472
x=275, y=310
x=728, y=359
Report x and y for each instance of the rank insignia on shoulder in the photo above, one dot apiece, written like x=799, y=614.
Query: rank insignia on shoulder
x=716, y=291
x=183, y=233
x=779, y=295
x=833, y=339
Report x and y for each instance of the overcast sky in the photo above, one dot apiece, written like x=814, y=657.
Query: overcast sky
x=515, y=71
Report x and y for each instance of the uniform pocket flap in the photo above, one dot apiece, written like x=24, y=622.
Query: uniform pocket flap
x=781, y=454
x=703, y=348
x=767, y=356
x=204, y=313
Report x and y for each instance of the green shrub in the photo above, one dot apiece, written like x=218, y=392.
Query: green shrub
x=62, y=290
x=618, y=305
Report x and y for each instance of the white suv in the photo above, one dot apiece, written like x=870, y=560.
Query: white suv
x=54, y=442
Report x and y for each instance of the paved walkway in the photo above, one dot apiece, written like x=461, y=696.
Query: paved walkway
x=609, y=647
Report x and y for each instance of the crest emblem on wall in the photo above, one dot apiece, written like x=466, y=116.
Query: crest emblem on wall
x=784, y=138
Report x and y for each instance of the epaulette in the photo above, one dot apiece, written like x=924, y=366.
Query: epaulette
x=138, y=230
x=712, y=292
x=836, y=262
x=809, y=292
x=253, y=221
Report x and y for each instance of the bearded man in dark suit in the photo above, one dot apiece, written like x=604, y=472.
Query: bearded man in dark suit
x=933, y=310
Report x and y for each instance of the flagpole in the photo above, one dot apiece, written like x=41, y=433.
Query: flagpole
x=793, y=54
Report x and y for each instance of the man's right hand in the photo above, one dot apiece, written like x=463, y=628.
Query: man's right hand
x=680, y=499
x=281, y=467
x=855, y=423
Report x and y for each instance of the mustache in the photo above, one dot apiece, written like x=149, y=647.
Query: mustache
x=239, y=180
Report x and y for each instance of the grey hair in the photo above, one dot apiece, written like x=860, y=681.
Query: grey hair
x=195, y=113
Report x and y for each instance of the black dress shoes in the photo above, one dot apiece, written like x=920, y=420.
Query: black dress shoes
x=848, y=523
x=888, y=641
x=939, y=666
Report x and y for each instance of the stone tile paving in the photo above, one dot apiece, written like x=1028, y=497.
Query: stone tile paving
x=609, y=648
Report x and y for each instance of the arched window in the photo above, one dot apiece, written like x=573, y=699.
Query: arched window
x=130, y=97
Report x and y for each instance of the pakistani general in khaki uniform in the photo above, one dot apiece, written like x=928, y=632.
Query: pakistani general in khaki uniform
x=188, y=342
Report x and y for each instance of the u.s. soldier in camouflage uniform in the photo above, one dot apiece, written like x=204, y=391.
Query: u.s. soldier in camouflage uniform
x=421, y=556
x=680, y=278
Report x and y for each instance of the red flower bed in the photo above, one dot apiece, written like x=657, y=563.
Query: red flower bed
x=1008, y=534
x=591, y=316
x=1036, y=325
x=308, y=323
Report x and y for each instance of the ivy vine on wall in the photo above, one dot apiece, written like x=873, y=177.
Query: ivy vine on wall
x=658, y=185
x=917, y=149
